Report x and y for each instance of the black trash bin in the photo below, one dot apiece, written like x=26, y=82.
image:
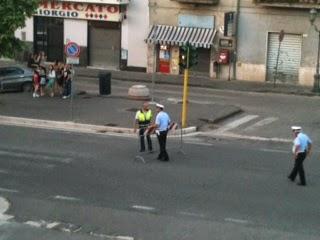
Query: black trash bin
x=104, y=83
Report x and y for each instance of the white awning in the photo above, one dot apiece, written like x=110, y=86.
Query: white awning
x=174, y=35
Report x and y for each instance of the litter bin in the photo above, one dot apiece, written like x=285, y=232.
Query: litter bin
x=104, y=83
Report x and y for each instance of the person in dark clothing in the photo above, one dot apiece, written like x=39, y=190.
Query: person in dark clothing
x=67, y=79
x=302, y=145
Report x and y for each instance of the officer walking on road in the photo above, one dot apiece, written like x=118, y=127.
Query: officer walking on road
x=162, y=125
x=142, y=121
x=301, y=149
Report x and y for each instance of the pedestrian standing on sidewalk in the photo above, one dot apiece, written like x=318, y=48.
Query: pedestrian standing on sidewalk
x=161, y=126
x=43, y=80
x=67, y=78
x=36, y=82
x=302, y=145
x=143, y=119
x=51, y=80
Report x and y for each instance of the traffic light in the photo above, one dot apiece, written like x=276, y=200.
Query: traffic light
x=188, y=56
x=183, y=57
x=193, y=56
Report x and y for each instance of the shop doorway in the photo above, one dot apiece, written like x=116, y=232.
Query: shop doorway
x=104, y=44
x=48, y=37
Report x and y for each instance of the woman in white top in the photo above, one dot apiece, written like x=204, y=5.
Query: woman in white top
x=51, y=80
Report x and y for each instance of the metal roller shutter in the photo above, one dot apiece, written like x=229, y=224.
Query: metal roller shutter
x=104, y=45
x=289, y=58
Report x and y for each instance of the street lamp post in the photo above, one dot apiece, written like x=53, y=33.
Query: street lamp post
x=313, y=16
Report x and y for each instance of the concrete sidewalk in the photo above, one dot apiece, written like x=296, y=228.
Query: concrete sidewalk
x=200, y=81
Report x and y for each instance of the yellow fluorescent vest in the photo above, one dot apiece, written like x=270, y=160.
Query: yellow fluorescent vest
x=144, y=118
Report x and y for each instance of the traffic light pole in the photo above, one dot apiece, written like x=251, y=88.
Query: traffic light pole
x=185, y=92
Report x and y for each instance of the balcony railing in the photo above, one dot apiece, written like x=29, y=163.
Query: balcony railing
x=209, y=2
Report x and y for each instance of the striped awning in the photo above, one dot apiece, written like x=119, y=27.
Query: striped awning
x=174, y=35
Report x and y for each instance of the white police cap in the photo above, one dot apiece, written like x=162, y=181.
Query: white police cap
x=296, y=128
x=159, y=106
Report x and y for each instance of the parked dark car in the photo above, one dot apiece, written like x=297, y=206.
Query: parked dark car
x=15, y=78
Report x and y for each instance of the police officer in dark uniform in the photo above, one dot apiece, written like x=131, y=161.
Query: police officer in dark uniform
x=142, y=121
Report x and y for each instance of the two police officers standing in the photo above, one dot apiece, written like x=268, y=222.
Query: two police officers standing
x=160, y=126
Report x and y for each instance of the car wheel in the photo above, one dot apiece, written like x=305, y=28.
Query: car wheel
x=27, y=87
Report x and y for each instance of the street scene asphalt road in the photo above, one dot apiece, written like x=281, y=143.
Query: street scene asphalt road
x=227, y=180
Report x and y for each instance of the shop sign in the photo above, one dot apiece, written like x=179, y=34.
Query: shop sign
x=97, y=12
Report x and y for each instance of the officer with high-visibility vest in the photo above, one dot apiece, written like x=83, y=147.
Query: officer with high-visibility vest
x=143, y=119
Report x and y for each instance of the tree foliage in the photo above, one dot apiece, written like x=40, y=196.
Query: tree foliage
x=13, y=16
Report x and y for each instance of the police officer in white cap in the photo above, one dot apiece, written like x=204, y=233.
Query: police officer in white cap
x=302, y=145
x=161, y=125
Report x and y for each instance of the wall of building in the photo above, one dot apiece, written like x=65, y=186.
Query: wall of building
x=138, y=27
x=254, y=24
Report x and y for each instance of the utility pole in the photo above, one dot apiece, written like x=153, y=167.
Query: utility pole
x=189, y=58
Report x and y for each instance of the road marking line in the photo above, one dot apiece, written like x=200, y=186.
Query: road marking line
x=8, y=190
x=192, y=214
x=111, y=237
x=52, y=225
x=234, y=220
x=274, y=150
x=3, y=171
x=66, y=198
x=261, y=123
x=145, y=208
x=235, y=123
x=38, y=224
x=34, y=156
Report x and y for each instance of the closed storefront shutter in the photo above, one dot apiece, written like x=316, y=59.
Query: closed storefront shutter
x=289, y=57
x=104, y=44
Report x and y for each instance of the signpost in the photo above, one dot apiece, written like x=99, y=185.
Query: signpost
x=281, y=36
x=72, y=51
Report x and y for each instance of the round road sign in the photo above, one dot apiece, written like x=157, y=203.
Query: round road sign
x=72, y=49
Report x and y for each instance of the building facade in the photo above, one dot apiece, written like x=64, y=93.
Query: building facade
x=260, y=50
x=246, y=42
x=175, y=23
x=102, y=28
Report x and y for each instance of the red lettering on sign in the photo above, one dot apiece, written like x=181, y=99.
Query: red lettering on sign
x=66, y=6
x=100, y=8
x=44, y=4
x=54, y=5
x=90, y=8
x=78, y=6
x=112, y=9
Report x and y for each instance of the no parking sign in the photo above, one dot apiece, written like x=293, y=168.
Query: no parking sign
x=72, y=51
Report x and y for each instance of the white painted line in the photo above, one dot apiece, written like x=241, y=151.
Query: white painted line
x=4, y=205
x=274, y=150
x=37, y=224
x=236, y=123
x=111, y=237
x=261, y=123
x=145, y=208
x=3, y=171
x=8, y=190
x=234, y=220
x=246, y=137
x=66, y=198
x=198, y=143
x=52, y=225
x=192, y=214
x=34, y=156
